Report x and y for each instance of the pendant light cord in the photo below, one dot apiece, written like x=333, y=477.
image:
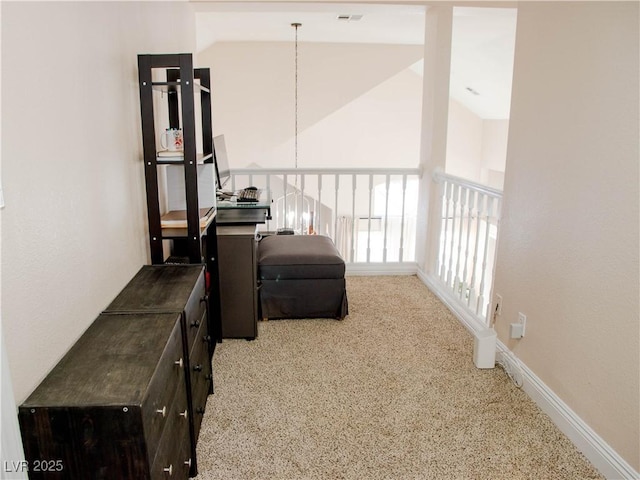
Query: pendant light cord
x=296, y=25
x=295, y=187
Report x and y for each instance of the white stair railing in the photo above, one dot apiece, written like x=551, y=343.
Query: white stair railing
x=369, y=213
x=468, y=241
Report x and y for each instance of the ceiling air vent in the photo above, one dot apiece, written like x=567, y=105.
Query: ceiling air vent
x=350, y=18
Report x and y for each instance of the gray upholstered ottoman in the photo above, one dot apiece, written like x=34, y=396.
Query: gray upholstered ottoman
x=302, y=276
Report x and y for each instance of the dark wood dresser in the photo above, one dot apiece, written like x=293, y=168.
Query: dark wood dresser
x=126, y=401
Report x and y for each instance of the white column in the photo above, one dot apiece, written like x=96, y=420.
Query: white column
x=435, y=108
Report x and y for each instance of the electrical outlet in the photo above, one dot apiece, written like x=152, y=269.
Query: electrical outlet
x=498, y=309
x=522, y=319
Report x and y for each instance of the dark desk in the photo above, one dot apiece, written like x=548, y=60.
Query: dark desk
x=243, y=213
x=236, y=234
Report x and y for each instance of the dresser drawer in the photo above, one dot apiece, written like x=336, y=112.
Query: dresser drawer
x=169, y=376
x=195, y=316
x=201, y=377
x=173, y=457
x=175, y=465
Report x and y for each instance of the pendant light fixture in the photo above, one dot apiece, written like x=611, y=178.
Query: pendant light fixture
x=292, y=204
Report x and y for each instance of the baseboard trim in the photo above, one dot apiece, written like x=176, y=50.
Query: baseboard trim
x=466, y=317
x=381, y=268
x=593, y=447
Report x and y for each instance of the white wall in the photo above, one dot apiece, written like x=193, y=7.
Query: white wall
x=476, y=147
x=74, y=227
x=340, y=85
x=11, y=443
x=569, y=247
x=464, y=142
x=495, y=134
x=388, y=128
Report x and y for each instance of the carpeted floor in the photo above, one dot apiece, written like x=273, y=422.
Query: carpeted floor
x=391, y=392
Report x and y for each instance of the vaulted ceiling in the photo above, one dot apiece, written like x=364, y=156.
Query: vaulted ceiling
x=483, y=39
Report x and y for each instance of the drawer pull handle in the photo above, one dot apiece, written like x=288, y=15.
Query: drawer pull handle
x=204, y=299
x=179, y=363
x=169, y=470
x=195, y=324
x=206, y=338
x=209, y=377
x=188, y=463
x=197, y=368
x=200, y=410
x=162, y=412
x=184, y=414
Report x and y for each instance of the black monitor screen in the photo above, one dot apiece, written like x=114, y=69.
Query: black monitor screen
x=222, y=162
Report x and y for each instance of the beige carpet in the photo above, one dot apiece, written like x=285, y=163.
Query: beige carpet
x=391, y=392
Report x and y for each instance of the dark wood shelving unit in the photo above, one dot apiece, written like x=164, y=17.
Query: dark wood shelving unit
x=196, y=243
x=193, y=242
x=180, y=88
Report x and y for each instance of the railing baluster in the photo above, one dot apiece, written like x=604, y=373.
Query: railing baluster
x=465, y=284
x=353, y=217
x=335, y=208
x=270, y=195
x=318, y=208
x=404, y=202
x=369, y=219
x=446, y=199
x=284, y=197
x=456, y=193
x=300, y=215
x=457, y=283
x=386, y=217
x=481, y=199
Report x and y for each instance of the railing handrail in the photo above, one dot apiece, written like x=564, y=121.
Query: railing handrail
x=326, y=171
x=439, y=177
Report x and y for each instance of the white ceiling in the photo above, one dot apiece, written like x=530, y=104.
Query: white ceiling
x=232, y=22
x=482, y=42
